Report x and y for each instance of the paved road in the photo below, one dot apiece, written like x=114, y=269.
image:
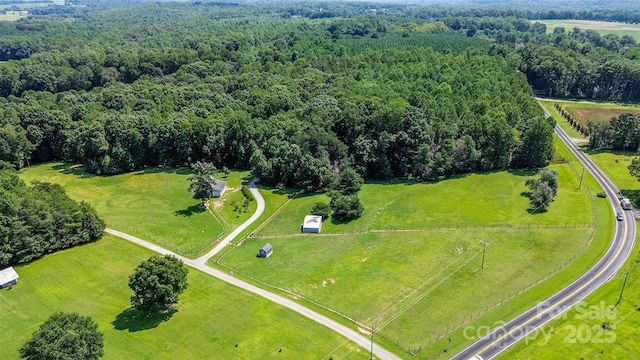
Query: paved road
x=200, y=264
x=259, y=210
x=616, y=255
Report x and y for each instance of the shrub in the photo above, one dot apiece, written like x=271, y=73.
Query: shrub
x=321, y=209
x=247, y=193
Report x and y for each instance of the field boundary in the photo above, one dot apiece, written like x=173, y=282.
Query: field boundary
x=424, y=229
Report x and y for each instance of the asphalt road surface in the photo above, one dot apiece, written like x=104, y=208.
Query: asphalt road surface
x=621, y=247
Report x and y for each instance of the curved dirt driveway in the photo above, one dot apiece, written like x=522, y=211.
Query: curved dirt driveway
x=201, y=264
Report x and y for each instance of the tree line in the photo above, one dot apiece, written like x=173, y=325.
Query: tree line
x=280, y=97
x=566, y=63
x=39, y=219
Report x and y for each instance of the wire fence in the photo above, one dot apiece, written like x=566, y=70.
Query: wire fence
x=422, y=229
x=448, y=330
x=188, y=251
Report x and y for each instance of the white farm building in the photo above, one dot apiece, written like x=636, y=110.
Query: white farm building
x=312, y=224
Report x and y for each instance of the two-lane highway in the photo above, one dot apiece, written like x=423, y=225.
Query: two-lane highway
x=616, y=255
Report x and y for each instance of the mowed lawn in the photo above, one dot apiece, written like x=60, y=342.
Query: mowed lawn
x=394, y=279
x=212, y=316
x=593, y=342
x=616, y=166
x=153, y=204
x=495, y=199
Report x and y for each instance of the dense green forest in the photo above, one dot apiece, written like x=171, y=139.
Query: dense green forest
x=39, y=219
x=567, y=63
x=292, y=98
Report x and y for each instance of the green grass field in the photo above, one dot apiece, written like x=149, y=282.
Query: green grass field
x=450, y=203
x=579, y=334
x=398, y=277
x=602, y=27
x=212, y=316
x=229, y=209
x=581, y=337
x=152, y=204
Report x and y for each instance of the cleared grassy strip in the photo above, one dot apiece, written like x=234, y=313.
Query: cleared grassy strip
x=475, y=200
x=626, y=320
x=212, y=317
x=616, y=167
x=152, y=204
x=602, y=27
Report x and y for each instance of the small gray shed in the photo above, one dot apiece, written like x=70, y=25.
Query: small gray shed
x=265, y=251
x=218, y=188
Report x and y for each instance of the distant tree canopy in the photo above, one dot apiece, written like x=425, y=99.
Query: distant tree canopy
x=40, y=219
x=567, y=63
x=294, y=100
x=621, y=133
x=64, y=337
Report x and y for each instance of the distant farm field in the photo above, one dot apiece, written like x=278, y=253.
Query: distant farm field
x=418, y=247
x=586, y=112
x=214, y=320
x=153, y=204
x=603, y=27
x=11, y=16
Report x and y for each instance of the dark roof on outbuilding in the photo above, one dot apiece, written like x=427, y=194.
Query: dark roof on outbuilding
x=266, y=247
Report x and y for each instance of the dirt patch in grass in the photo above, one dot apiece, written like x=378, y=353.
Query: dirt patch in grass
x=585, y=115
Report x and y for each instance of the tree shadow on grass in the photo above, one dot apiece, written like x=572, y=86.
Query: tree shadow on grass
x=135, y=320
x=73, y=169
x=191, y=210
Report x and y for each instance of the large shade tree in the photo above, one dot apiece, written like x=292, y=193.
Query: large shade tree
x=157, y=283
x=201, y=180
x=65, y=337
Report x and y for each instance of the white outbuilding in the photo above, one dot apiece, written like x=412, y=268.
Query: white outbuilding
x=8, y=277
x=312, y=224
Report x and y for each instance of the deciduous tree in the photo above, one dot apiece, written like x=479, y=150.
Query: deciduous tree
x=201, y=180
x=157, y=283
x=65, y=337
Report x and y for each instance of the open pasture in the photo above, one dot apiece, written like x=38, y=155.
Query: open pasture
x=153, y=204
x=212, y=317
x=495, y=199
x=392, y=277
